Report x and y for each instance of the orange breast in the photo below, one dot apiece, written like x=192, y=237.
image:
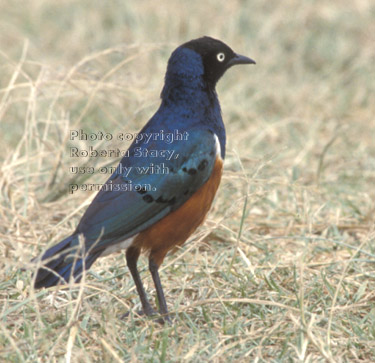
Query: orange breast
x=176, y=227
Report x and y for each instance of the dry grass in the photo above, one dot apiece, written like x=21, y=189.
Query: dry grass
x=283, y=269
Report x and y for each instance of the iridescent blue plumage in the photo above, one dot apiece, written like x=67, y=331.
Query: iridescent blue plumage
x=190, y=106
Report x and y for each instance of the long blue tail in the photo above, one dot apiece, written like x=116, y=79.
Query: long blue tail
x=63, y=262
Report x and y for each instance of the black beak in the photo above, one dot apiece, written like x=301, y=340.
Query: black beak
x=240, y=59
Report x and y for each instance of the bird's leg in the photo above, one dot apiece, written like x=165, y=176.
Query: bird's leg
x=132, y=254
x=153, y=267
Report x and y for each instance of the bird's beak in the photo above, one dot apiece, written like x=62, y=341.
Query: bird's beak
x=240, y=59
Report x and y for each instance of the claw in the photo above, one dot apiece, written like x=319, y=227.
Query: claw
x=151, y=314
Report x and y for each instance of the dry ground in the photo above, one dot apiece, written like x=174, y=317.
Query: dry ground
x=283, y=269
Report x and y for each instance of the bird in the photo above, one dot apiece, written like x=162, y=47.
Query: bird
x=142, y=211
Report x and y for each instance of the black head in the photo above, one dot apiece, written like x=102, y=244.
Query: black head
x=216, y=56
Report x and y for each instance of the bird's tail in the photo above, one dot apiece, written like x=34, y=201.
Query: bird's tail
x=62, y=262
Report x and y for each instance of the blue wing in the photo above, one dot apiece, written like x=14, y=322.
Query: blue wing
x=114, y=215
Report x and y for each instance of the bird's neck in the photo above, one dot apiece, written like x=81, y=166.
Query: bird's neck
x=181, y=88
x=195, y=102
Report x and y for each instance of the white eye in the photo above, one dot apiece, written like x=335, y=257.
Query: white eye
x=220, y=57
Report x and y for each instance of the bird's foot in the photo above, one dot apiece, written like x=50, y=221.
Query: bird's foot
x=150, y=312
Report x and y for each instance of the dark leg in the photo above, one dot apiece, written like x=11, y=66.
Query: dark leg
x=159, y=290
x=132, y=254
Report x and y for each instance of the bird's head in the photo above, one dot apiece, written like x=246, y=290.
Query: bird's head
x=204, y=57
